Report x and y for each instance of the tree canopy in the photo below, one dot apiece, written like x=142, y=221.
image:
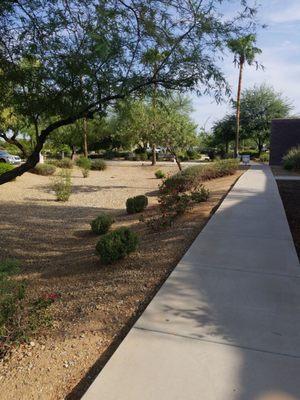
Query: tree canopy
x=62, y=60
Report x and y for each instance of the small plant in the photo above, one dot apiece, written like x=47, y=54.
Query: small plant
x=44, y=169
x=116, y=245
x=5, y=168
x=20, y=315
x=102, y=223
x=98, y=165
x=62, y=185
x=201, y=195
x=65, y=163
x=84, y=164
x=136, y=204
x=160, y=174
x=159, y=223
x=291, y=161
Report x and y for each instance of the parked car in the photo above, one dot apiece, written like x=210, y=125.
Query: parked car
x=204, y=157
x=5, y=157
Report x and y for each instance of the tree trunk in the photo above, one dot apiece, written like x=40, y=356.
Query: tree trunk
x=73, y=154
x=85, y=144
x=153, y=155
x=226, y=147
x=238, y=110
x=260, y=146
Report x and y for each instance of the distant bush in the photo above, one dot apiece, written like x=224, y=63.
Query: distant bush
x=84, y=164
x=116, y=245
x=250, y=152
x=102, y=223
x=44, y=169
x=143, y=156
x=5, y=167
x=62, y=185
x=65, y=163
x=98, y=165
x=110, y=154
x=136, y=204
x=291, y=161
x=159, y=174
x=264, y=157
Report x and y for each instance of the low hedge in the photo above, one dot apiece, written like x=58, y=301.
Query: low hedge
x=116, y=245
x=5, y=168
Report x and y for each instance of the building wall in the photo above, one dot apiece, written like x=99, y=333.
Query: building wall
x=285, y=133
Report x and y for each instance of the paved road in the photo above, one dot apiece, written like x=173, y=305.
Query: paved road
x=226, y=323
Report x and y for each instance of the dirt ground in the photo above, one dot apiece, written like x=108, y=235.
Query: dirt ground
x=280, y=171
x=290, y=195
x=98, y=303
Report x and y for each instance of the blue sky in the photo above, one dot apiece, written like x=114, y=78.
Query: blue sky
x=280, y=43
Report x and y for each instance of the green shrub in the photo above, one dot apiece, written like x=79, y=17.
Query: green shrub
x=143, y=156
x=110, y=154
x=264, y=157
x=160, y=174
x=5, y=167
x=201, y=195
x=62, y=185
x=84, y=164
x=65, y=163
x=291, y=161
x=116, y=245
x=136, y=204
x=102, y=223
x=98, y=165
x=44, y=169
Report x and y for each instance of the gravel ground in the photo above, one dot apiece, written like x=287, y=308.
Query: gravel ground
x=98, y=303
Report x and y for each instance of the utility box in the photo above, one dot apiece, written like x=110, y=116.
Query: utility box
x=285, y=134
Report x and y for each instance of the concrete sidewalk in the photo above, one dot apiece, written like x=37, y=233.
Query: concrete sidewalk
x=226, y=323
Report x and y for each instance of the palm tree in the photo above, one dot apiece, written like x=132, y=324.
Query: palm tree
x=244, y=51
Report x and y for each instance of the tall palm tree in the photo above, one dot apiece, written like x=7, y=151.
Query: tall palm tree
x=245, y=52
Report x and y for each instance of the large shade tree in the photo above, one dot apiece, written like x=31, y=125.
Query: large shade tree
x=64, y=60
x=245, y=52
x=259, y=106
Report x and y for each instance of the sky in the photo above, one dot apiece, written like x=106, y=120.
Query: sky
x=280, y=44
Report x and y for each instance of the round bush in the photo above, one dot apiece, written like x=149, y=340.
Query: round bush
x=136, y=204
x=98, y=165
x=44, y=169
x=84, y=163
x=101, y=224
x=65, y=163
x=5, y=168
x=160, y=174
x=116, y=245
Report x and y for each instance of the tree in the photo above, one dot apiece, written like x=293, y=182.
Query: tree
x=259, y=106
x=244, y=51
x=178, y=133
x=64, y=61
x=224, y=132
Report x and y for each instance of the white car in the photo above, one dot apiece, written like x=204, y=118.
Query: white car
x=5, y=157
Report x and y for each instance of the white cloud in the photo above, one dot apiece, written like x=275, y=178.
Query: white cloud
x=289, y=14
